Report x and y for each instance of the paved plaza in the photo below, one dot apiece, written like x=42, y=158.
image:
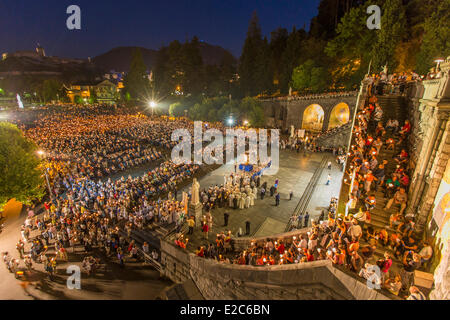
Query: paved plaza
x=295, y=173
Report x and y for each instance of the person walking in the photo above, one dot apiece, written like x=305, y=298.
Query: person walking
x=306, y=220
x=291, y=195
x=329, y=165
x=328, y=180
x=226, y=216
x=247, y=227
x=277, y=199
x=263, y=193
x=272, y=190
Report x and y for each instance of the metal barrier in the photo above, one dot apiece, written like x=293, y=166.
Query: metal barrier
x=307, y=195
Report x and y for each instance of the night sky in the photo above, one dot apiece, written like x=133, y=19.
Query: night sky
x=147, y=23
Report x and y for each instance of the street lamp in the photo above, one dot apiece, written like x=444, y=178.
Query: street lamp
x=230, y=122
x=152, y=105
x=245, y=123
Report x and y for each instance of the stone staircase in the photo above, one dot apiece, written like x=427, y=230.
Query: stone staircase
x=394, y=107
x=336, y=137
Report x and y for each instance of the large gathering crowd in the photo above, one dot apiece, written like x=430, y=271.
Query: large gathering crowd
x=84, y=146
x=350, y=240
x=81, y=146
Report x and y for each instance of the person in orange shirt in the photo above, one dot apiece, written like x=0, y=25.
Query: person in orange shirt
x=260, y=261
x=242, y=259
x=368, y=179
x=383, y=236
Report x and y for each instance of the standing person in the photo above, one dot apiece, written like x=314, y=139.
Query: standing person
x=385, y=264
x=49, y=269
x=328, y=180
x=191, y=224
x=247, y=227
x=306, y=220
x=277, y=199
x=299, y=220
x=20, y=247
x=263, y=193
x=226, y=216
x=291, y=195
x=120, y=257
x=329, y=163
x=272, y=190
x=205, y=229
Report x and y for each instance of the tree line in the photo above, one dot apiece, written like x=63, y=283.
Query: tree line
x=334, y=54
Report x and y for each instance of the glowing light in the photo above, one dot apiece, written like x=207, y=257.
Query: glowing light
x=152, y=104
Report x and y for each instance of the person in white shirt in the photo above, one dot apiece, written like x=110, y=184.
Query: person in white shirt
x=426, y=252
x=355, y=230
x=145, y=248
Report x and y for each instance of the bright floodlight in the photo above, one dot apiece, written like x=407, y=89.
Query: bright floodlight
x=152, y=104
x=230, y=121
x=439, y=60
x=245, y=122
x=40, y=152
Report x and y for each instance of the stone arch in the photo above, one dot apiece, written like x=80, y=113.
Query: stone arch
x=313, y=118
x=339, y=115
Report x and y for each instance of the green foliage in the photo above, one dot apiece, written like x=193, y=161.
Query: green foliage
x=48, y=90
x=392, y=32
x=20, y=177
x=436, y=38
x=290, y=57
x=177, y=109
x=310, y=77
x=353, y=40
x=181, y=65
x=252, y=111
x=253, y=72
x=93, y=96
x=221, y=108
x=136, y=82
x=78, y=100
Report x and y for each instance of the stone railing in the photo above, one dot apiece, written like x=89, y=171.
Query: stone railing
x=316, y=280
x=244, y=243
x=313, y=96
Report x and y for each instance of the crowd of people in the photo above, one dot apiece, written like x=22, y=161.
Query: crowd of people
x=85, y=211
x=350, y=240
x=82, y=146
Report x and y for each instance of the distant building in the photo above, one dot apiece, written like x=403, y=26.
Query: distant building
x=40, y=51
x=105, y=91
x=4, y=55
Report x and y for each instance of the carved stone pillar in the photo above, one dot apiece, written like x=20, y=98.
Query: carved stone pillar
x=196, y=211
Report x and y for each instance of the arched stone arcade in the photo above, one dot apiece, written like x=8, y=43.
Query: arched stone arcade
x=313, y=117
x=339, y=115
